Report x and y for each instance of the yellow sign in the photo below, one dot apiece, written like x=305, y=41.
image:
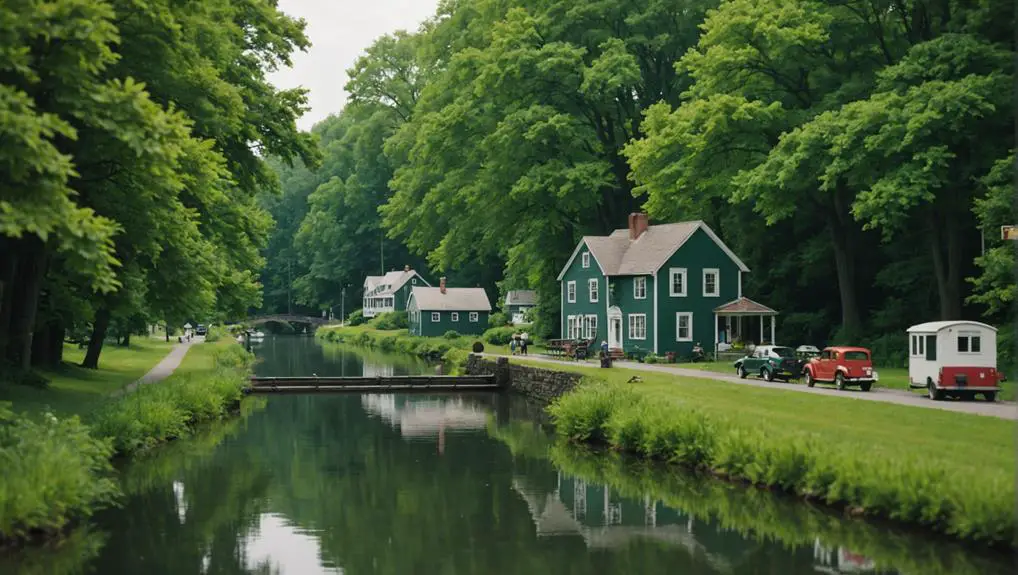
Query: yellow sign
x=1009, y=233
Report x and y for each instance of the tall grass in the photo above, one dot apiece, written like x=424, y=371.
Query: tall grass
x=917, y=489
x=53, y=470
x=453, y=352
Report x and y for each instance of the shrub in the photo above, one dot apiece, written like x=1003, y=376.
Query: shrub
x=499, y=335
x=53, y=471
x=498, y=319
x=451, y=334
x=390, y=321
x=215, y=333
x=478, y=347
x=651, y=358
x=355, y=318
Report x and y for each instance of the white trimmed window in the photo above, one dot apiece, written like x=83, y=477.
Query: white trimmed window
x=677, y=282
x=455, y=316
x=571, y=292
x=969, y=343
x=637, y=326
x=592, y=291
x=473, y=316
x=575, y=325
x=436, y=317
x=711, y=278
x=413, y=281
x=639, y=288
x=586, y=259
x=590, y=327
x=684, y=326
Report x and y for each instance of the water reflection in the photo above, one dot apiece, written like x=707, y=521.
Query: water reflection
x=284, y=548
x=418, y=416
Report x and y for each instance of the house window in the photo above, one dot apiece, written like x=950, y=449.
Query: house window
x=455, y=316
x=586, y=259
x=575, y=324
x=637, y=326
x=684, y=326
x=639, y=288
x=710, y=282
x=413, y=281
x=677, y=282
x=571, y=292
x=969, y=343
x=473, y=316
x=592, y=289
x=590, y=327
x=436, y=317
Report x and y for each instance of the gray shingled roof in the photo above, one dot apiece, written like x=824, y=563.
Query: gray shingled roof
x=394, y=280
x=454, y=299
x=521, y=297
x=617, y=255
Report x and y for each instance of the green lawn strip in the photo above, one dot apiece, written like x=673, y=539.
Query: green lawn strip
x=76, y=390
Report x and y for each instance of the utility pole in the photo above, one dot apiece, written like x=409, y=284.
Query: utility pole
x=342, y=307
x=289, y=287
x=381, y=250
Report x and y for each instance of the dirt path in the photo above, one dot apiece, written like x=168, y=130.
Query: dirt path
x=164, y=368
x=1001, y=409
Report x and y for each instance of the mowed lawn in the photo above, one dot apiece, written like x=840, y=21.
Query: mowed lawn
x=76, y=390
x=958, y=439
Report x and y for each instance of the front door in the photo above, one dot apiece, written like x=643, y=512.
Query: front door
x=615, y=332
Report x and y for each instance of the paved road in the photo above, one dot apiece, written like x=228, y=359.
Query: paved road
x=1001, y=409
x=164, y=368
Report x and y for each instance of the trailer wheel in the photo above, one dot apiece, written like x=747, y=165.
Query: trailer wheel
x=934, y=393
x=990, y=396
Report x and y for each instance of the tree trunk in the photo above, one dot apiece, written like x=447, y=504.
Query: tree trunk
x=946, y=251
x=8, y=266
x=844, y=264
x=127, y=340
x=30, y=271
x=167, y=332
x=95, y=342
x=48, y=344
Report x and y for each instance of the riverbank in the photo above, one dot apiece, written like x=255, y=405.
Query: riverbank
x=59, y=470
x=452, y=351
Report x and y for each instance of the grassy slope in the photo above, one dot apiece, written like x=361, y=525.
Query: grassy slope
x=957, y=439
x=76, y=390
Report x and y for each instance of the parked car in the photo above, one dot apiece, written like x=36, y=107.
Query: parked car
x=954, y=358
x=201, y=330
x=843, y=366
x=807, y=352
x=770, y=362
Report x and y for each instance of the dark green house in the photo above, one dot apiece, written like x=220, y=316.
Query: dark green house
x=389, y=293
x=659, y=288
x=434, y=311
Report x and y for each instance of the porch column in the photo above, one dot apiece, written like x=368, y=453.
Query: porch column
x=715, y=337
x=773, y=318
x=760, y=341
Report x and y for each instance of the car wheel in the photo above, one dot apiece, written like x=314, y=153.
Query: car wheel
x=741, y=371
x=766, y=374
x=809, y=379
x=839, y=381
x=934, y=393
x=990, y=396
x=866, y=386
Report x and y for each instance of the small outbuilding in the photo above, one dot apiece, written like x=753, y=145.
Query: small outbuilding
x=957, y=358
x=518, y=303
x=434, y=311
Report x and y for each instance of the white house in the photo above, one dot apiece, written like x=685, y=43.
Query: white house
x=519, y=302
x=954, y=358
x=383, y=294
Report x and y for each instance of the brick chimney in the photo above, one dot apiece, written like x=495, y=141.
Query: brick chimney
x=637, y=224
x=441, y=285
x=406, y=268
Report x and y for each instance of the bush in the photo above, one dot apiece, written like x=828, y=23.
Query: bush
x=651, y=358
x=215, y=333
x=53, y=471
x=911, y=489
x=478, y=347
x=499, y=335
x=451, y=334
x=498, y=319
x=355, y=318
x=390, y=321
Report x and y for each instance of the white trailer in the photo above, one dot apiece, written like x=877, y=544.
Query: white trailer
x=954, y=358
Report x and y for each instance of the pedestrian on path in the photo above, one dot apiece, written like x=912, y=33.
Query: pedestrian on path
x=512, y=345
x=524, y=340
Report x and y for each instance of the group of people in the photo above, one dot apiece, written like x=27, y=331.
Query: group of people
x=518, y=344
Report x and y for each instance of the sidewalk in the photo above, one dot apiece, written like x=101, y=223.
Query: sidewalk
x=164, y=368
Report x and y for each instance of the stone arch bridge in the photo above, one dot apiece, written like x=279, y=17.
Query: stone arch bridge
x=290, y=319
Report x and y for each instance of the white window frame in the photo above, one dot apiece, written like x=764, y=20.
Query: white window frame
x=413, y=281
x=593, y=290
x=571, y=292
x=922, y=346
x=689, y=316
x=632, y=325
x=455, y=316
x=586, y=260
x=473, y=316
x=717, y=282
x=590, y=326
x=637, y=281
x=436, y=317
x=969, y=335
x=672, y=272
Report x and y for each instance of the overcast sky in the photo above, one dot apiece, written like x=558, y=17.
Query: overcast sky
x=340, y=31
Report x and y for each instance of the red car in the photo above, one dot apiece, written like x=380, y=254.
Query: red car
x=842, y=366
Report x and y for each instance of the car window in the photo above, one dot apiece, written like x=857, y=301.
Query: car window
x=783, y=352
x=856, y=356
x=826, y=354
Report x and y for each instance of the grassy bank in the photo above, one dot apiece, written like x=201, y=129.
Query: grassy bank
x=76, y=390
x=58, y=470
x=950, y=472
x=451, y=351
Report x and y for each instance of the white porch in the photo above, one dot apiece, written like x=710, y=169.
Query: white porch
x=743, y=321
x=377, y=305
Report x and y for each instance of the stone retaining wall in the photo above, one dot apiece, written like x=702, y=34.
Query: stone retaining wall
x=541, y=384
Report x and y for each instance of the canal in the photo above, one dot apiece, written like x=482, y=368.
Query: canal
x=465, y=484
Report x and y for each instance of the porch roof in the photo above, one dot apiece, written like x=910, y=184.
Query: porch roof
x=743, y=306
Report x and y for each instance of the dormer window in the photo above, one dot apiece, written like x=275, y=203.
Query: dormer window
x=586, y=259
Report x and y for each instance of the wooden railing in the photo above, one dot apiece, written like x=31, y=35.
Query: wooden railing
x=407, y=383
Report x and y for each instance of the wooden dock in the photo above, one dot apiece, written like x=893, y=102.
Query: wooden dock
x=401, y=384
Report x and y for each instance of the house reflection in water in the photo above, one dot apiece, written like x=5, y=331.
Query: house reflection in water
x=422, y=416
x=605, y=520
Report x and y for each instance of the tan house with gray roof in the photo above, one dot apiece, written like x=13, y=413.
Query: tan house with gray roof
x=659, y=289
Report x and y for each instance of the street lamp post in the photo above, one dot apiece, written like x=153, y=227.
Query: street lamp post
x=342, y=307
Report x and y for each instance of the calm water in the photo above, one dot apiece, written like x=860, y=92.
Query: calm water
x=450, y=485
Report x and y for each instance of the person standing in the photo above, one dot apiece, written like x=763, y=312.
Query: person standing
x=524, y=340
x=512, y=345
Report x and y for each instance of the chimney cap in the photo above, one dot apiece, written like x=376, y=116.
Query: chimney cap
x=406, y=268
